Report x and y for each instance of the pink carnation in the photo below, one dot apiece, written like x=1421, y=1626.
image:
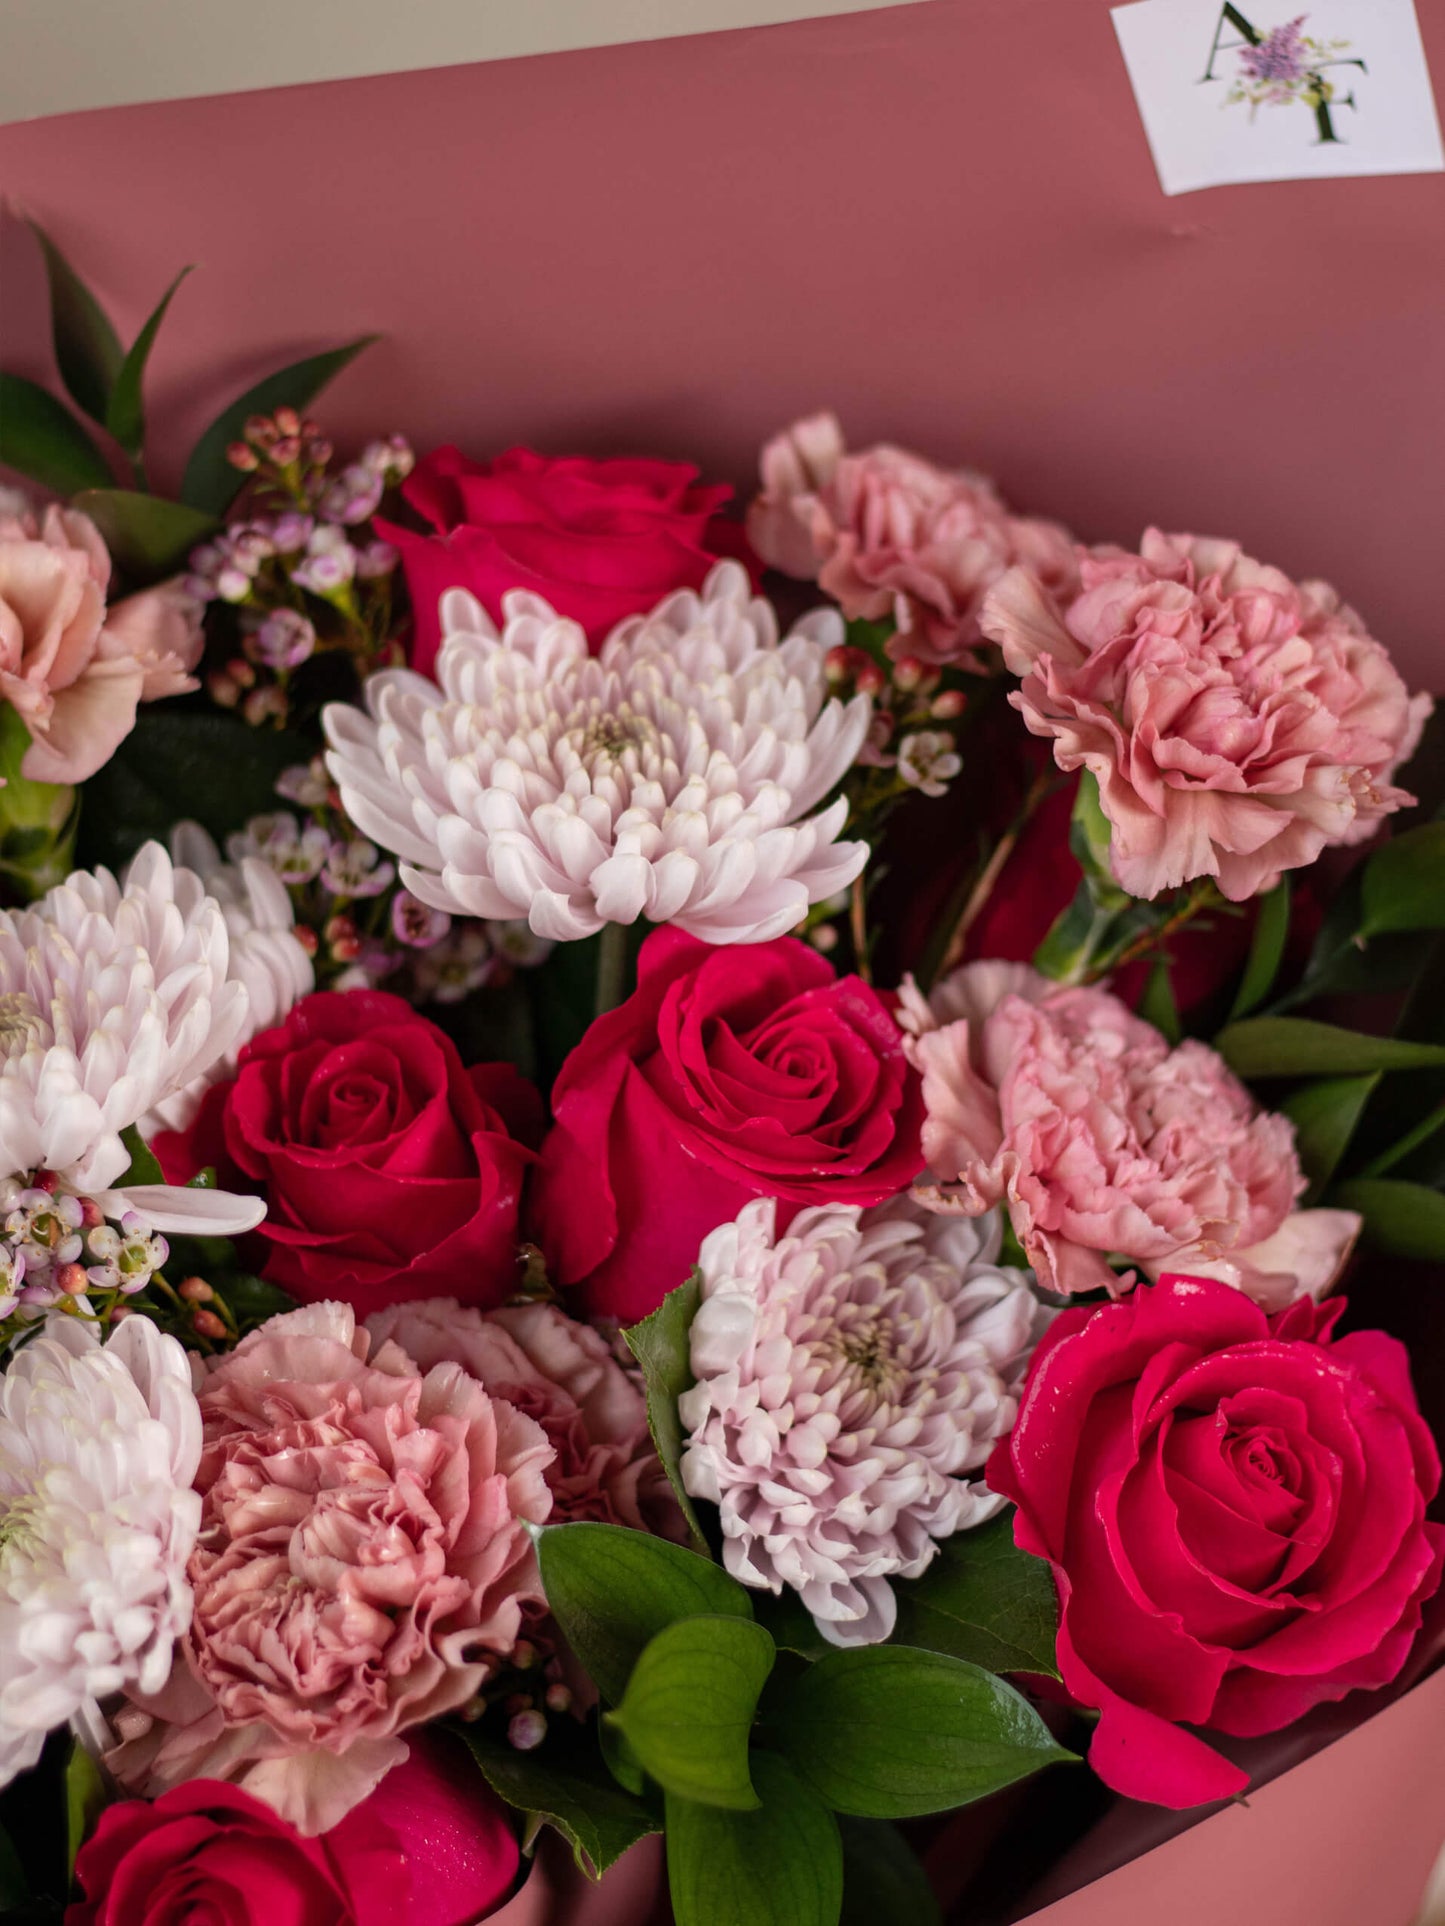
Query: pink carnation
x=1237, y=722
x=73, y=669
x=363, y=1565
x=564, y=1375
x=888, y=534
x=1100, y=1139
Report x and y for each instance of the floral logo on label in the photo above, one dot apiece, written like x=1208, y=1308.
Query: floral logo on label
x=1281, y=66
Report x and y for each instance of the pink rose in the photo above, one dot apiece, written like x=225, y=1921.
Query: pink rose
x=1100, y=1139
x=362, y=1566
x=431, y=1846
x=73, y=669
x=597, y=540
x=1234, y=1509
x=1237, y=723
x=751, y=1071
x=564, y=1375
x=888, y=534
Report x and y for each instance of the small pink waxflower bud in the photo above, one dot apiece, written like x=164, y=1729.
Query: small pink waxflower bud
x=524, y=1657
x=870, y=680
x=307, y=938
x=71, y=1279
x=233, y=584
x=287, y=421
x=527, y=1731
x=207, y=1325
x=558, y=1698
x=824, y=938
x=266, y=704
x=908, y=673
x=287, y=450
x=241, y=672
x=949, y=705
x=241, y=455
x=223, y=691
x=195, y=1290
x=260, y=430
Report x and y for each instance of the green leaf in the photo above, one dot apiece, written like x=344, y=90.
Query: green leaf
x=1406, y=1220
x=779, y=1866
x=14, y=1886
x=148, y=536
x=612, y=1590
x=125, y=411
x=1403, y=886
x=1325, y=1115
x=660, y=1345
x=689, y=1707
x=1266, y=950
x=181, y=761
x=84, y=1800
x=882, y=1878
x=87, y=349
x=566, y=1783
x=621, y=1761
x=251, y=1300
x=1157, y=1005
x=41, y=439
x=886, y=1732
x=984, y=1600
x=211, y=483
x=1298, y=1047
x=144, y=1168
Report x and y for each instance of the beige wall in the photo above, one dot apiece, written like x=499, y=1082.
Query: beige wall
x=60, y=55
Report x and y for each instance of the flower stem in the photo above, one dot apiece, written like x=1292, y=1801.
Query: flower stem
x=858, y=927
x=612, y=951
x=989, y=875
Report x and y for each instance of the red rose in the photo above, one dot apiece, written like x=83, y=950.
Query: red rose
x=210, y=1851
x=598, y=540
x=1234, y=1509
x=389, y=1171
x=732, y=1073
x=431, y=1846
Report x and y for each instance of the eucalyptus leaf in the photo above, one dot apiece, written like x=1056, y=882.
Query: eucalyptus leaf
x=1281, y=1046
x=1266, y=950
x=612, y=1590
x=125, y=410
x=1403, y=886
x=984, y=1600
x=87, y=348
x=660, y=1345
x=42, y=439
x=148, y=536
x=1325, y=1115
x=566, y=1783
x=887, y=1732
x=210, y=483
x=781, y=1865
x=1405, y=1220
x=882, y=1877
x=689, y=1707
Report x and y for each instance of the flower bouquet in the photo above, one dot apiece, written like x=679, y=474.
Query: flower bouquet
x=672, y=1173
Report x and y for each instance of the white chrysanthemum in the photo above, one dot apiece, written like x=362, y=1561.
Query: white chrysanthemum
x=112, y=999
x=98, y=1450
x=265, y=957
x=851, y=1374
x=671, y=777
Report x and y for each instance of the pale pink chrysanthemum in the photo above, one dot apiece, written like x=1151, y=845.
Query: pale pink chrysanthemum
x=98, y=1448
x=678, y=775
x=114, y=997
x=852, y=1377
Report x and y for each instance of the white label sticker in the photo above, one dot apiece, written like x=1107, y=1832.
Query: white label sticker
x=1253, y=92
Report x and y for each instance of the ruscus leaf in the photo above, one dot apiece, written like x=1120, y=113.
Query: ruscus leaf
x=211, y=483
x=1405, y=1220
x=660, y=1345
x=125, y=410
x=42, y=439
x=689, y=1707
x=566, y=1783
x=1266, y=950
x=612, y=1590
x=148, y=536
x=781, y=1865
x=87, y=348
x=888, y=1732
x=1280, y=1046
x=983, y=1600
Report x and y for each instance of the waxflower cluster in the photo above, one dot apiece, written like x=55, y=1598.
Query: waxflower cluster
x=302, y=570
x=557, y=1190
